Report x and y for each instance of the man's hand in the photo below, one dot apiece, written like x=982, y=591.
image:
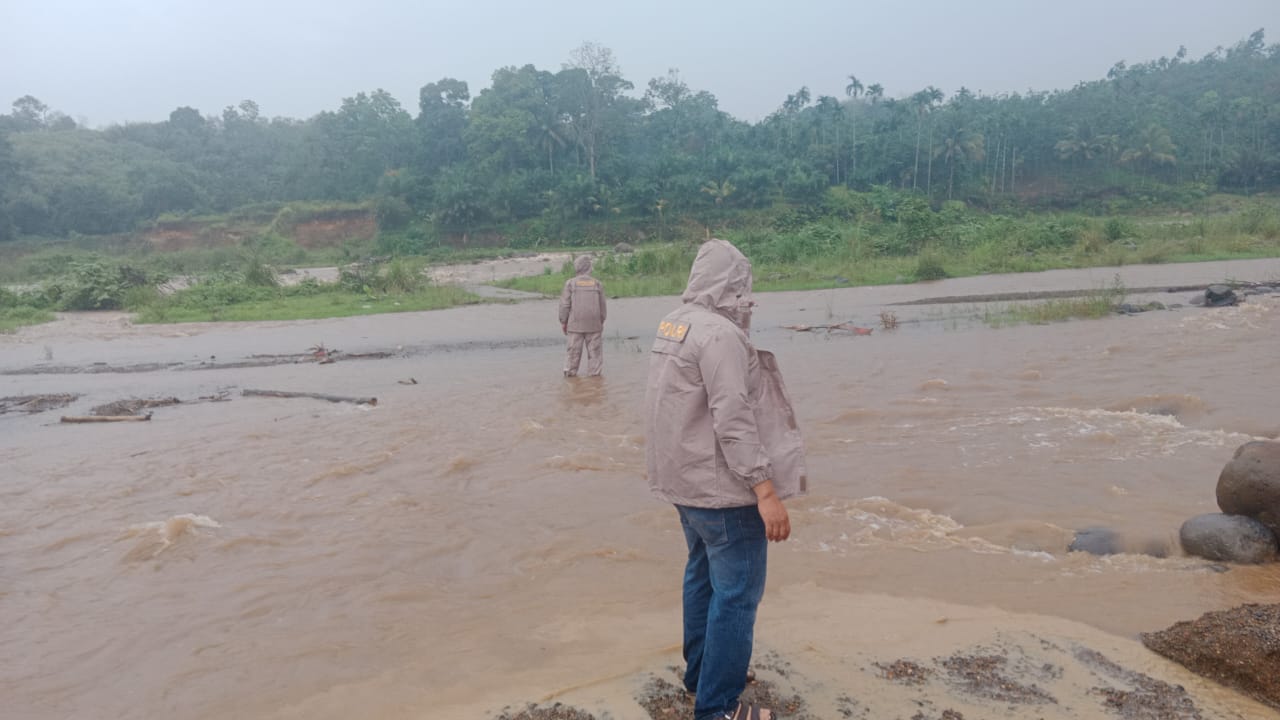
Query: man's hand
x=777, y=524
x=564, y=328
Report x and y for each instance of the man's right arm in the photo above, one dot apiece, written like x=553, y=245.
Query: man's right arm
x=777, y=523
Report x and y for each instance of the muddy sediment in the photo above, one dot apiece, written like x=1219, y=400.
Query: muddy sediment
x=1239, y=648
x=977, y=683
x=1059, y=294
x=32, y=404
x=271, y=360
x=131, y=406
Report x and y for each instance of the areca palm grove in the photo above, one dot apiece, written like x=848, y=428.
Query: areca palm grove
x=579, y=144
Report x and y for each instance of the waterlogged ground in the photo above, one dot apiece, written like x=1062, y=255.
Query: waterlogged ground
x=482, y=537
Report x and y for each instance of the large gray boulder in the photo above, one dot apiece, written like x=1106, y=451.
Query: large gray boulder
x=1250, y=483
x=1220, y=296
x=1228, y=538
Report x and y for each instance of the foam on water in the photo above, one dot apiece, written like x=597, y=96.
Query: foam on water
x=158, y=536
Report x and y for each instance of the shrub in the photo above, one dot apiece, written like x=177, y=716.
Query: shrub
x=1117, y=229
x=929, y=267
x=1055, y=233
x=1261, y=220
x=401, y=276
x=392, y=213
x=414, y=241
x=95, y=286
x=222, y=290
x=259, y=274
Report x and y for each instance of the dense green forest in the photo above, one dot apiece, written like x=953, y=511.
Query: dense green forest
x=547, y=149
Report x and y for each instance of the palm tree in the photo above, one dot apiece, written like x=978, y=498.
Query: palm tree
x=1153, y=146
x=854, y=88
x=719, y=191
x=875, y=92
x=549, y=138
x=662, y=221
x=923, y=103
x=1080, y=144
x=852, y=91
x=960, y=147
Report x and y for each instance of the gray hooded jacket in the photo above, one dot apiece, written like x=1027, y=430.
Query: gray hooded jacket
x=582, y=304
x=718, y=420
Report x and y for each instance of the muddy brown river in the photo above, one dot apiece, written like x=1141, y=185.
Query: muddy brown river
x=485, y=537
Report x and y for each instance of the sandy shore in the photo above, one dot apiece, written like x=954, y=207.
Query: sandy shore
x=823, y=654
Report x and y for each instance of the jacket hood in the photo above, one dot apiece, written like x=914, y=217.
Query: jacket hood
x=582, y=265
x=720, y=278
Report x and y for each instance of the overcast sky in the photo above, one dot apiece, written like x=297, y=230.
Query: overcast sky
x=112, y=61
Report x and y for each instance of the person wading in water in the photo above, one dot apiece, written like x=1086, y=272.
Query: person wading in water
x=582, y=314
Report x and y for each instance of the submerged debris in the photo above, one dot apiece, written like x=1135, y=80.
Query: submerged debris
x=31, y=404
x=131, y=406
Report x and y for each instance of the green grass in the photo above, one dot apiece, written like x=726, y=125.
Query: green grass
x=826, y=254
x=334, y=303
x=13, y=318
x=1041, y=313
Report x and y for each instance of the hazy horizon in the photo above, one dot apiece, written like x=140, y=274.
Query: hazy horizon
x=136, y=61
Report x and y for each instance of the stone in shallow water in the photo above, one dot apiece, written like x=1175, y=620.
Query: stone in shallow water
x=1229, y=538
x=1096, y=541
x=1250, y=483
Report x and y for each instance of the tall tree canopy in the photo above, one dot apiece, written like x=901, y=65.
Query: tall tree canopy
x=580, y=142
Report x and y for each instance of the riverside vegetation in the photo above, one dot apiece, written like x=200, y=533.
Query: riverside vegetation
x=877, y=237
x=1175, y=159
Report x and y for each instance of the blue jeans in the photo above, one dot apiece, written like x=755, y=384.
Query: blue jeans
x=723, y=584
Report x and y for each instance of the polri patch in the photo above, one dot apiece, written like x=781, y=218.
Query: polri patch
x=673, y=331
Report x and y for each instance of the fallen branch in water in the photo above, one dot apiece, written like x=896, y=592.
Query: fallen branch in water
x=838, y=326
x=105, y=418
x=317, y=396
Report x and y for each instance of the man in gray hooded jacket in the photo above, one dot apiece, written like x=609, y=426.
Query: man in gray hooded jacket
x=582, y=314
x=723, y=447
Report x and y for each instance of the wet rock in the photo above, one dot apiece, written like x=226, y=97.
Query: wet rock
x=1196, y=299
x=624, y=248
x=1229, y=538
x=1105, y=541
x=1096, y=541
x=1239, y=648
x=1220, y=296
x=1250, y=483
x=1133, y=309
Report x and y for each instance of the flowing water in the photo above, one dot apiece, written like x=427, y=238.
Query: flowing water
x=485, y=536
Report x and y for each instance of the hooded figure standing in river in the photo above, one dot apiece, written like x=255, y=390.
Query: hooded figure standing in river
x=582, y=314
x=723, y=447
